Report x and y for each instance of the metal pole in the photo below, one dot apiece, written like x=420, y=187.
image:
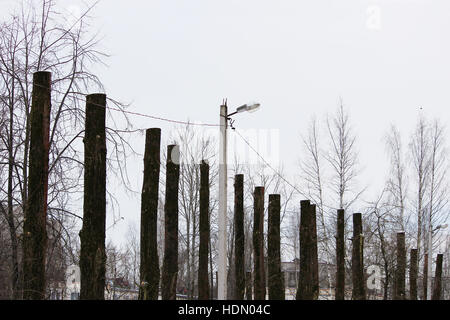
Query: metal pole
x=222, y=263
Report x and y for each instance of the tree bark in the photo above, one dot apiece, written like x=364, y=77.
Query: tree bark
x=305, y=281
x=425, y=274
x=92, y=234
x=170, y=263
x=437, y=286
x=248, y=286
x=276, y=290
x=35, y=217
x=258, y=245
x=203, y=283
x=399, y=288
x=239, y=238
x=358, y=292
x=149, y=268
x=340, y=256
x=314, y=258
x=413, y=268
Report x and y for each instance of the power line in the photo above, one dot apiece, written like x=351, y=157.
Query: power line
x=164, y=119
x=276, y=171
x=74, y=96
x=268, y=164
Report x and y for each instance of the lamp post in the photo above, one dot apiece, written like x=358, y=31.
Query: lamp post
x=222, y=259
x=430, y=253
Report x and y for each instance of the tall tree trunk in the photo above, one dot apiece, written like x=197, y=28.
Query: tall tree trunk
x=305, y=281
x=149, y=268
x=92, y=234
x=258, y=245
x=188, y=254
x=211, y=272
x=239, y=245
x=170, y=263
x=314, y=258
x=276, y=290
x=193, y=250
x=340, y=256
x=413, y=269
x=437, y=287
x=400, y=270
x=358, y=259
x=203, y=283
x=35, y=218
x=425, y=275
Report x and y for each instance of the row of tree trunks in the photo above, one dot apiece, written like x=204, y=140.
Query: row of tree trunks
x=170, y=263
x=203, y=282
x=149, y=267
x=359, y=292
x=35, y=216
x=308, y=283
x=340, y=256
x=93, y=257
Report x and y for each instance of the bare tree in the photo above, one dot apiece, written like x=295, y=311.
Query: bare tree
x=37, y=38
x=437, y=192
x=343, y=165
x=396, y=184
x=312, y=170
x=342, y=158
x=419, y=149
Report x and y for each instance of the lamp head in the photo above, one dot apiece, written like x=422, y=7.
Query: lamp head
x=248, y=107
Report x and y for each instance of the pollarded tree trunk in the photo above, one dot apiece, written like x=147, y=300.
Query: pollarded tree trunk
x=258, y=245
x=149, y=268
x=425, y=274
x=92, y=234
x=437, y=287
x=359, y=292
x=340, y=256
x=399, y=287
x=239, y=245
x=314, y=258
x=170, y=263
x=203, y=283
x=35, y=218
x=276, y=289
x=413, y=269
x=304, y=290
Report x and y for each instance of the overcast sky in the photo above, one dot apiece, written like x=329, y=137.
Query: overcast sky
x=179, y=59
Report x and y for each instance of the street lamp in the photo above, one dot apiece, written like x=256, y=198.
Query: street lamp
x=430, y=253
x=222, y=259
